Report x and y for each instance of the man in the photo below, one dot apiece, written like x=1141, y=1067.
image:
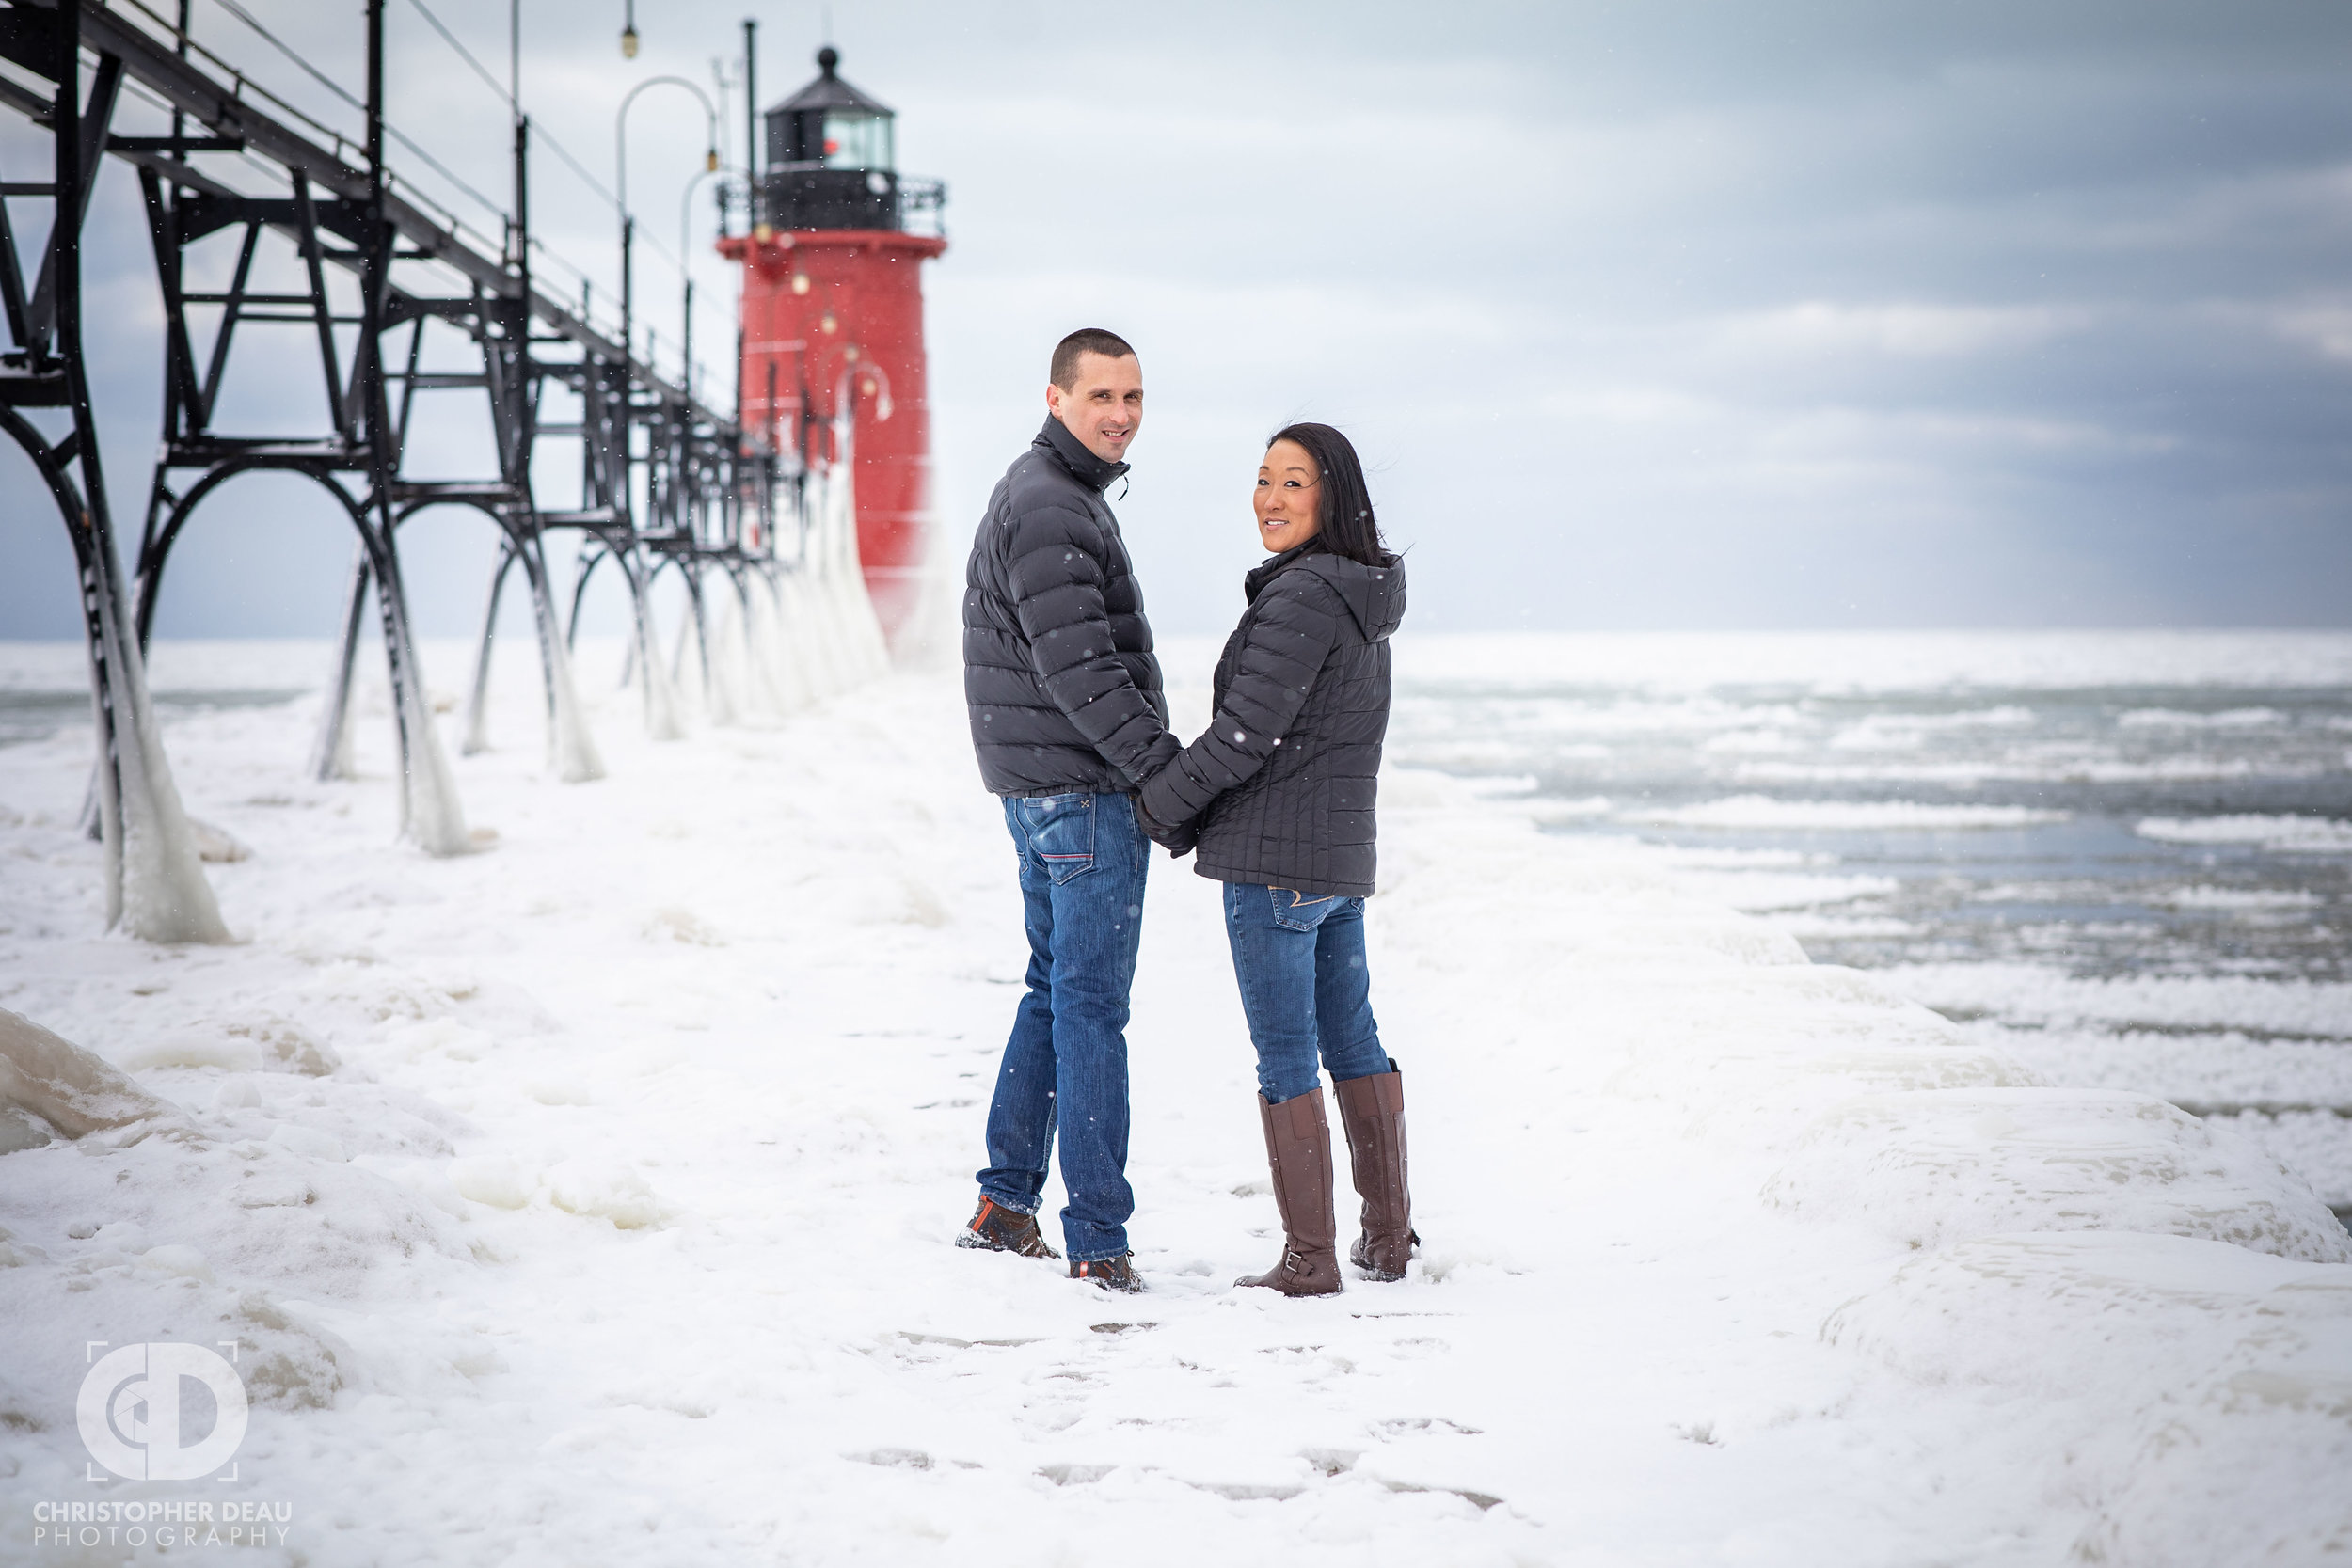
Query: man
x=1069, y=719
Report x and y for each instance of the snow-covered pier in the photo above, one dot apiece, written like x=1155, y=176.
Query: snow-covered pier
x=593, y=1201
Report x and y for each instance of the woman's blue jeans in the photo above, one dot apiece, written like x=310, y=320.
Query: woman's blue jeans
x=1299, y=957
x=1083, y=860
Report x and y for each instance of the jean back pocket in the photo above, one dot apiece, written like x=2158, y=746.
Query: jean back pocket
x=1061, y=829
x=1295, y=910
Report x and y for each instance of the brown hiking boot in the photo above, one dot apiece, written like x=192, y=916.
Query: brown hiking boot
x=1371, y=1109
x=997, y=1228
x=1112, y=1274
x=1298, y=1149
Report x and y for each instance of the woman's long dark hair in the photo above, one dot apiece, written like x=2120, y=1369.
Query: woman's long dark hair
x=1347, y=526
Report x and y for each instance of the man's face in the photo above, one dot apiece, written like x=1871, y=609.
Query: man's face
x=1104, y=407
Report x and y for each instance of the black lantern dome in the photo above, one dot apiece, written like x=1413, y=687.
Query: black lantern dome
x=830, y=161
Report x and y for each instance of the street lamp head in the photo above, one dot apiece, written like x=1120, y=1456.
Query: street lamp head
x=711, y=161
x=628, y=43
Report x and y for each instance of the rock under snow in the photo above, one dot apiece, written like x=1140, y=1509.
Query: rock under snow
x=49, y=1081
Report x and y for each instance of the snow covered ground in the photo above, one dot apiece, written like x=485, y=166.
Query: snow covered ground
x=591, y=1200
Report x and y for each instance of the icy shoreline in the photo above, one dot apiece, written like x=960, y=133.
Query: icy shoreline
x=591, y=1199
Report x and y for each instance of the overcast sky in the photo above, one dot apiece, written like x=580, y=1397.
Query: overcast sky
x=1667, y=315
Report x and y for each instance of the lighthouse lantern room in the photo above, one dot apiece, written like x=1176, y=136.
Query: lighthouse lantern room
x=833, y=319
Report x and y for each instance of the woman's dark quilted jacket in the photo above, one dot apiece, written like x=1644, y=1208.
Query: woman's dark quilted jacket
x=1287, y=771
x=1059, y=674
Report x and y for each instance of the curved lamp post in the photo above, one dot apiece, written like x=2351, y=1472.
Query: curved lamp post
x=620, y=168
x=686, y=267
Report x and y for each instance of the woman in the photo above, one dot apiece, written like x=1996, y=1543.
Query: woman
x=1278, y=794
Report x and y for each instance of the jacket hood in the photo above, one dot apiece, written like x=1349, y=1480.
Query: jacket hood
x=1089, y=471
x=1375, y=595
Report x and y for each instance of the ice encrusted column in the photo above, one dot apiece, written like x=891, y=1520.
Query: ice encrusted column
x=155, y=886
x=572, y=754
x=864, y=649
x=430, y=814
x=804, y=611
x=661, y=720
x=477, y=738
x=330, y=752
x=777, y=667
x=719, y=704
x=752, y=685
x=571, y=751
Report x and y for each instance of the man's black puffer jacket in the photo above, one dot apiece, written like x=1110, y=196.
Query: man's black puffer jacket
x=1058, y=673
x=1287, y=770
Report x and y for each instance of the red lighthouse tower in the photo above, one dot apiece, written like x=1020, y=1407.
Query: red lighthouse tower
x=833, y=317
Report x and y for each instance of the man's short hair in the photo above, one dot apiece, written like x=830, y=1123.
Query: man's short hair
x=1086, y=339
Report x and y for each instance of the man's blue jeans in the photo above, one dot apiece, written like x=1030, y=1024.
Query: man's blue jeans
x=1299, y=957
x=1083, y=860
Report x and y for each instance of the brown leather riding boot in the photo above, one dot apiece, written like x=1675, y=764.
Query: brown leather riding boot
x=1298, y=1148
x=1371, y=1109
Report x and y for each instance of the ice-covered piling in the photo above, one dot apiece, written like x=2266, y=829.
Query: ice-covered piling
x=330, y=752
x=572, y=754
x=155, y=886
x=768, y=604
x=719, y=704
x=477, y=738
x=729, y=662
x=430, y=816
x=857, y=637
x=571, y=751
x=661, y=720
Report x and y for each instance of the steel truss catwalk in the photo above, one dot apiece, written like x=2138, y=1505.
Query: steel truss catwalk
x=666, y=482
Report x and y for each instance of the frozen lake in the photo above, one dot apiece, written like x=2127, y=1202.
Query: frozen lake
x=2125, y=857
x=592, y=1198
x=2191, y=820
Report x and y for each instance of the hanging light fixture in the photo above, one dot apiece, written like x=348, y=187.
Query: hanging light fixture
x=628, y=32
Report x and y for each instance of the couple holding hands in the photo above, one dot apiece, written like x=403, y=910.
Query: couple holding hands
x=1274, y=800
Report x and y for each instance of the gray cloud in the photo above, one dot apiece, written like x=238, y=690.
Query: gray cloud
x=1693, y=315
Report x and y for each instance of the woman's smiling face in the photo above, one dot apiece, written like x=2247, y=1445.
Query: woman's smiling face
x=1289, y=497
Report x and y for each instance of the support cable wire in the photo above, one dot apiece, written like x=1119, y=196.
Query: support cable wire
x=539, y=133
x=237, y=10
x=233, y=9
x=240, y=82
x=578, y=168
x=465, y=54
x=540, y=136
x=241, y=86
x=243, y=83
x=276, y=175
